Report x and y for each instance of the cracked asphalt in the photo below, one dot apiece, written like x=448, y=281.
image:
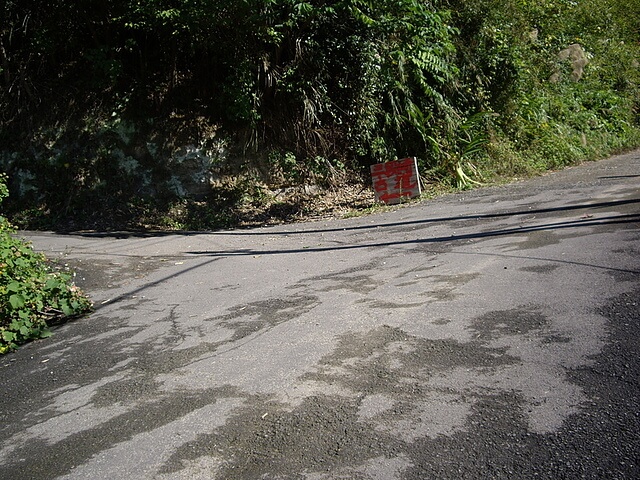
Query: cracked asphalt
x=485, y=334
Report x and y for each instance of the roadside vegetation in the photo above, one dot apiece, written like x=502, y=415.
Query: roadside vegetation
x=33, y=296
x=202, y=114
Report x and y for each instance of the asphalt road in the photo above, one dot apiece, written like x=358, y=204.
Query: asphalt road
x=486, y=334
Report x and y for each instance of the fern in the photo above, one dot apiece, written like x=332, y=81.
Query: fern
x=434, y=65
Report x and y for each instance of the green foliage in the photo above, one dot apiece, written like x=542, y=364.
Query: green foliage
x=31, y=294
x=94, y=96
x=410, y=75
x=510, y=65
x=460, y=151
x=4, y=191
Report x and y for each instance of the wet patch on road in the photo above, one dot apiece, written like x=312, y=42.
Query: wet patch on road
x=385, y=407
x=254, y=317
x=536, y=239
x=448, y=284
x=556, y=338
x=599, y=441
x=455, y=280
x=390, y=361
x=40, y=458
x=386, y=305
x=627, y=255
x=268, y=440
x=152, y=360
x=388, y=414
x=127, y=391
x=353, y=280
x=622, y=275
x=362, y=284
x=497, y=324
x=542, y=269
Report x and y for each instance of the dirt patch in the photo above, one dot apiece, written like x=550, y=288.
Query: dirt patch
x=296, y=205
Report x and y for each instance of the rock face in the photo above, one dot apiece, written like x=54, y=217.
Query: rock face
x=191, y=172
x=576, y=55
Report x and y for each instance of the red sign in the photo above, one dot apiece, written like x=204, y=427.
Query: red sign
x=396, y=180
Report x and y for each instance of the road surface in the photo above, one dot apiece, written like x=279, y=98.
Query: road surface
x=485, y=334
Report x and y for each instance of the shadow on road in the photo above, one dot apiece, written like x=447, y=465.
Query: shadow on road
x=587, y=222
x=240, y=232
x=131, y=293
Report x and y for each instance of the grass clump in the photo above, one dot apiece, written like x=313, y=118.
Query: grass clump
x=32, y=294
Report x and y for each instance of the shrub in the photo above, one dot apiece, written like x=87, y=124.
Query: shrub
x=32, y=295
